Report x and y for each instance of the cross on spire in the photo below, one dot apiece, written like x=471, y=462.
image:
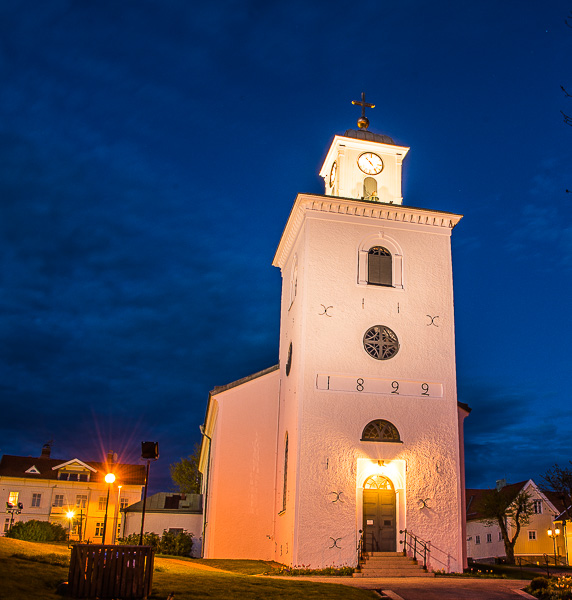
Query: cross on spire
x=363, y=121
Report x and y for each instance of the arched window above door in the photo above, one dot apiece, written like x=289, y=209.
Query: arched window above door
x=380, y=430
x=377, y=482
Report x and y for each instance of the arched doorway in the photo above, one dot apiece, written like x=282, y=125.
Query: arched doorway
x=379, y=515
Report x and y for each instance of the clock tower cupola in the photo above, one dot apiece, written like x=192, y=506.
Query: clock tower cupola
x=364, y=165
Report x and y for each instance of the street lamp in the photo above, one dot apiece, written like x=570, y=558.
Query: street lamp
x=109, y=479
x=70, y=515
x=554, y=534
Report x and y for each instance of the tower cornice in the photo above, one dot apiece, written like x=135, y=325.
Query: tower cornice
x=348, y=207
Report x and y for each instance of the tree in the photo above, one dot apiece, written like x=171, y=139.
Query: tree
x=509, y=512
x=185, y=473
x=559, y=480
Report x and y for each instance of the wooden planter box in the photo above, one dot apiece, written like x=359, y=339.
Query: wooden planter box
x=98, y=571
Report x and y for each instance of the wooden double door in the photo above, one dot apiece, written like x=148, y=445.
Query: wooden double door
x=379, y=523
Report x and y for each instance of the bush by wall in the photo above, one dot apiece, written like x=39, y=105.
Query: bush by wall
x=175, y=544
x=37, y=531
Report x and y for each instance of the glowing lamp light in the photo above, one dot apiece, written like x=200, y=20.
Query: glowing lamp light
x=70, y=514
x=109, y=478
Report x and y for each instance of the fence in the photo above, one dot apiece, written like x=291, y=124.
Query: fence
x=98, y=571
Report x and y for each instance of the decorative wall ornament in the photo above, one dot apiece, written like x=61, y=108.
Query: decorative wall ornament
x=337, y=496
x=335, y=544
x=432, y=320
x=325, y=311
x=423, y=503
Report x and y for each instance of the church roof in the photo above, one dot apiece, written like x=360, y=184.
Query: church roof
x=361, y=134
x=223, y=388
x=21, y=466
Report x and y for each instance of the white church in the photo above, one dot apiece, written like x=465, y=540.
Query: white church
x=356, y=436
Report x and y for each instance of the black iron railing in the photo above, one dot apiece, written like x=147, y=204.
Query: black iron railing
x=416, y=546
x=360, y=547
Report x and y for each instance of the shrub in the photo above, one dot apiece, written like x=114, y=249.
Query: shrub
x=539, y=583
x=175, y=544
x=149, y=539
x=37, y=531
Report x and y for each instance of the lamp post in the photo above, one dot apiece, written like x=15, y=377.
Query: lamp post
x=70, y=515
x=109, y=479
x=554, y=533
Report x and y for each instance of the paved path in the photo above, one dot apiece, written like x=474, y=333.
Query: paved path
x=438, y=588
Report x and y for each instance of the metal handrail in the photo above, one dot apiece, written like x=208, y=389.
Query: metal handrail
x=360, y=547
x=416, y=544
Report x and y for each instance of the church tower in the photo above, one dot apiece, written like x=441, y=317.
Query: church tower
x=368, y=434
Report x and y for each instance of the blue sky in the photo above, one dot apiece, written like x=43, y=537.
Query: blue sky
x=150, y=153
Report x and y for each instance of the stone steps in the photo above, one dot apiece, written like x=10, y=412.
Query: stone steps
x=389, y=564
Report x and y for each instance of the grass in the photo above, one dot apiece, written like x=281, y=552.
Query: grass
x=33, y=570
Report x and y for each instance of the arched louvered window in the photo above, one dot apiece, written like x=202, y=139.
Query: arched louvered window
x=379, y=266
x=380, y=431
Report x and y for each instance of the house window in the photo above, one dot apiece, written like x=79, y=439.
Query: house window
x=531, y=535
x=59, y=500
x=477, y=539
x=63, y=476
x=98, y=529
x=73, y=477
x=13, y=498
x=285, y=484
x=176, y=530
x=101, y=505
x=489, y=538
x=84, y=477
x=379, y=266
x=380, y=431
x=537, y=507
x=36, y=500
x=6, y=525
x=81, y=500
x=500, y=536
x=123, y=503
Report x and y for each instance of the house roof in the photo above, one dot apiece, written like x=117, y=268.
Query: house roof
x=21, y=466
x=163, y=502
x=474, y=497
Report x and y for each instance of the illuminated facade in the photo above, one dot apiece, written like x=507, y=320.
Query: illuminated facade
x=358, y=429
x=51, y=490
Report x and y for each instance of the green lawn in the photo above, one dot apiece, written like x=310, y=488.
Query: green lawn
x=33, y=570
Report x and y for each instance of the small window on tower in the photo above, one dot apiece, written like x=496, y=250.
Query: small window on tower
x=379, y=266
x=370, y=189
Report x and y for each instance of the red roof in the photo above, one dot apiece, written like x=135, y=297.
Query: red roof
x=16, y=466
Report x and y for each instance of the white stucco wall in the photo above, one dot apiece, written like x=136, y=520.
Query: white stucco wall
x=330, y=456
x=240, y=502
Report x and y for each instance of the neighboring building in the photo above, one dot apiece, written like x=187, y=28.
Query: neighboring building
x=564, y=523
x=485, y=543
x=358, y=429
x=50, y=488
x=167, y=512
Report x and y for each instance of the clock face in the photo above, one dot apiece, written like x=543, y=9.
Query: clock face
x=333, y=174
x=370, y=163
